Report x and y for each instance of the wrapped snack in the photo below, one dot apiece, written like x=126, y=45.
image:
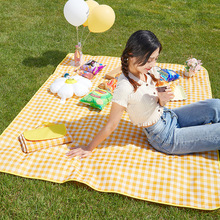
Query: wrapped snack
x=92, y=66
x=168, y=75
x=85, y=74
x=98, y=98
x=109, y=86
x=102, y=86
x=162, y=85
x=113, y=73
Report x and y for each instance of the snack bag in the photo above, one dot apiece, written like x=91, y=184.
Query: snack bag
x=92, y=66
x=162, y=85
x=109, y=86
x=98, y=98
x=168, y=75
x=85, y=74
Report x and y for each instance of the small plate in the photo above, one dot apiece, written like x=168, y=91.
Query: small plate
x=179, y=94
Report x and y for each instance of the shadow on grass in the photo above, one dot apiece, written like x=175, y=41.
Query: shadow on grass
x=51, y=57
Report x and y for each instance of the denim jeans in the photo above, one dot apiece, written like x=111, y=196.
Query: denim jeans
x=188, y=129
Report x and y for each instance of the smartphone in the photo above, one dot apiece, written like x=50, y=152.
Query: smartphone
x=161, y=88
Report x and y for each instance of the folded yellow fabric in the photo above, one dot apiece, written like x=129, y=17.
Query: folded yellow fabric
x=45, y=133
x=40, y=138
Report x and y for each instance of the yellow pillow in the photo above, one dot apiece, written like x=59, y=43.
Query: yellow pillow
x=45, y=133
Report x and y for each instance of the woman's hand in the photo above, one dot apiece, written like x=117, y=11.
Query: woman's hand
x=81, y=151
x=114, y=118
x=166, y=96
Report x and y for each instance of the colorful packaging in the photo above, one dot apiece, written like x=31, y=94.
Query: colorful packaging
x=98, y=98
x=85, y=74
x=92, y=66
x=162, y=85
x=168, y=75
x=109, y=86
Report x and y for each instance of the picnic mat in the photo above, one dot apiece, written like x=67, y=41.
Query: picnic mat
x=124, y=163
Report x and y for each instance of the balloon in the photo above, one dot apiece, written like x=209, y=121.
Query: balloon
x=76, y=12
x=101, y=19
x=92, y=4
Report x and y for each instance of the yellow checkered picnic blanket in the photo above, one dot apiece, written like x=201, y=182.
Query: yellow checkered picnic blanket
x=124, y=163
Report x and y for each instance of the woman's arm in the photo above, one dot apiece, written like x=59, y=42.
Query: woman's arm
x=166, y=96
x=113, y=121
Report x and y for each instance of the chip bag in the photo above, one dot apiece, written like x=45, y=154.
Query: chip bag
x=98, y=98
x=92, y=66
x=85, y=74
x=109, y=86
x=168, y=75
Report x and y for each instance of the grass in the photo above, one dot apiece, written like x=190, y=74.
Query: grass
x=34, y=39
x=35, y=199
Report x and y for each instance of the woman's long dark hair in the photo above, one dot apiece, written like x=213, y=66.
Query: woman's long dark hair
x=141, y=45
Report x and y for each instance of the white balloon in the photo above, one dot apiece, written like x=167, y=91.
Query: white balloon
x=76, y=12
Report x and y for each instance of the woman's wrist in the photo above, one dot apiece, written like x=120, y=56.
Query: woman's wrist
x=89, y=148
x=162, y=103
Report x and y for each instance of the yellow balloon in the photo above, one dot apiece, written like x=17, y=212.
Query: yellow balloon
x=92, y=4
x=101, y=19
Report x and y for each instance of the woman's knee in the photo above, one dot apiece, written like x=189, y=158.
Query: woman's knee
x=213, y=103
x=213, y=107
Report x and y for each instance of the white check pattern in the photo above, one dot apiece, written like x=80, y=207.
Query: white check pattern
x=124, y=163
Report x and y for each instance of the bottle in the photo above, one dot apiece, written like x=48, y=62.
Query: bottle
x=78, y=55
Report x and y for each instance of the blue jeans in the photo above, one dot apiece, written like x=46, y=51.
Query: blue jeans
x=188, y=129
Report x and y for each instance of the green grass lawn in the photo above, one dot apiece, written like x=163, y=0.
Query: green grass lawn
x=34, y=39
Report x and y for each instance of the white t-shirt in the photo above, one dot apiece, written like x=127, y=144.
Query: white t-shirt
x=142, y=106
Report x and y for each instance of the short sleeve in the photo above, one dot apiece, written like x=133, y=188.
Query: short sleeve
x=122, y=92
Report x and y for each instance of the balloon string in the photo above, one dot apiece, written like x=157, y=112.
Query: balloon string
x=82, y=33
x=77, y=35
x=85, y=39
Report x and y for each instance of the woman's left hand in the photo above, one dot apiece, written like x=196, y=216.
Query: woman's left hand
x=81, y=151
